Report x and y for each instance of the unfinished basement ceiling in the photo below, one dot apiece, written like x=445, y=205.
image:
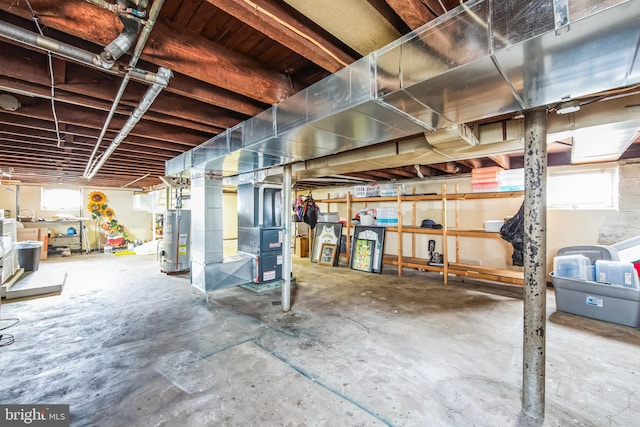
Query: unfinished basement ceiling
x=231, y=60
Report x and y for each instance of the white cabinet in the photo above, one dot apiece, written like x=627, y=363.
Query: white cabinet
x=9, y=256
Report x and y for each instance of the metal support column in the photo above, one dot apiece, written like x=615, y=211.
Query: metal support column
x=286, y=246
x=535, y=250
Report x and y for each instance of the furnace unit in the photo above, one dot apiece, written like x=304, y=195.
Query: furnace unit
x=259, y=228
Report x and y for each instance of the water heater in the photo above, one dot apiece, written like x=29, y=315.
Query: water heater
x=176, y=242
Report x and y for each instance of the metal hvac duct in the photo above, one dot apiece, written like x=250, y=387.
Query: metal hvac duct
x=472, y=63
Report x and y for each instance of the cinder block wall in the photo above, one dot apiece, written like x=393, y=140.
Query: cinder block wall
x=625, y=223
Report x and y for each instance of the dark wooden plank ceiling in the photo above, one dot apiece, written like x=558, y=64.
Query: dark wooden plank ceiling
x=231, y=59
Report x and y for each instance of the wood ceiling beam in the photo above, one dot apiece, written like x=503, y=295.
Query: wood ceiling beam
x=181, y=85
x=269, y=18
x=361, y=175
x=425, y=171
x=501, y=160
x=17, y=160
x=79, y=146
x=17, y=124
x=413, y=12
x=79, y=153
x=471, y=163
x=95, y=103
x=447, y=167
x=30, y=175
x=390, y=15
x=168, y=46
x=199, y=91
x=381, y=174
x=78, y=169
x=401, y=172
x=90, y=118
x=24, y=65
x=81, y=182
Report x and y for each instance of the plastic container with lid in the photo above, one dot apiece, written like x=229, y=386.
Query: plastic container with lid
x=573, y=267
x=616, y=273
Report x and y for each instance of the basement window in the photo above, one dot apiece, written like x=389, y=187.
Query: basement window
x=587, y=189
x=57, y=199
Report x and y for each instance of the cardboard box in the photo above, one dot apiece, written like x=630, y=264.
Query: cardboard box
x=302, y=247
x=27, y=234
x=302, y=229
x=43, y=236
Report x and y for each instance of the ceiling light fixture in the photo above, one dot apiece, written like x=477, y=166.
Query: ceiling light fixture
x=567, y=107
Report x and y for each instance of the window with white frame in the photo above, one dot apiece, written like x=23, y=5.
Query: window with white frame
x=59, y=199
x=583, y=189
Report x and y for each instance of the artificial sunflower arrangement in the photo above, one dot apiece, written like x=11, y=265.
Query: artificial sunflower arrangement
x=97, y=204
x=112, y=229
x=99, y=208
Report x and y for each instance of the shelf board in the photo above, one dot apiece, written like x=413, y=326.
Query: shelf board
x=493, y=195
x=359, y=199
x=417, y=230
x=418, y=197
x=390, y=259
x=488, y=273
x=473, y=232
x=424, y=197
x=411, y=262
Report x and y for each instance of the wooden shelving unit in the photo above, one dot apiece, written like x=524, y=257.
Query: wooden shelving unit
x=411, y=227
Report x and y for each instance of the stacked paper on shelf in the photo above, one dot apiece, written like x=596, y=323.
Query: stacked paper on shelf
x=511, y=180
x=391, y=190
x=387, y=216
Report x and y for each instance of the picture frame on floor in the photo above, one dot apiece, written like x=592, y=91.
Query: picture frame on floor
x=374, y=233
x=327, y=254
x=363, y=253
x=325, y=232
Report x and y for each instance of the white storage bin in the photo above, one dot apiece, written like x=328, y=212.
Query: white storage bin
x=366, y=190
x=386, y=212
x=573, y=267
x=493, y=225
x=604, y=302
x=616, y=273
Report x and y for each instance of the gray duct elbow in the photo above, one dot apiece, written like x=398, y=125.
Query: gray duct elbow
x=121, y=44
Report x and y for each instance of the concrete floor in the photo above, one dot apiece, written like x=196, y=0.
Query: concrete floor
x=125, y=344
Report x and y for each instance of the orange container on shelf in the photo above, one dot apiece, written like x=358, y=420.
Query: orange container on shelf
x=486, y=172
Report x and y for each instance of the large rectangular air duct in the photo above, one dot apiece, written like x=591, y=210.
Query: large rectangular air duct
x=469, y=64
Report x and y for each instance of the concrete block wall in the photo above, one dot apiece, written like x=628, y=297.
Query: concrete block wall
x=625, y=223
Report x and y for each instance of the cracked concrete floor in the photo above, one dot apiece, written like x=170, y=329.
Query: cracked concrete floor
x=125, y=344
